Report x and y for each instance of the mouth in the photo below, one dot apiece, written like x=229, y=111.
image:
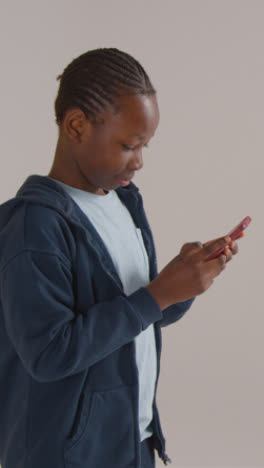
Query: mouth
x=126, y=181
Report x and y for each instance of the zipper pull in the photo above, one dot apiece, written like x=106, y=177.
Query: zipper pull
x=165, y=459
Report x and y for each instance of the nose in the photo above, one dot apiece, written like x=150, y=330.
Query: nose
x=136, y=160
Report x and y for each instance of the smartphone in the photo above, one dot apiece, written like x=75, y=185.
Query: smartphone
x=233, y=234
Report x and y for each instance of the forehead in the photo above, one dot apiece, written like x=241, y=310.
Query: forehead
x=137, y=116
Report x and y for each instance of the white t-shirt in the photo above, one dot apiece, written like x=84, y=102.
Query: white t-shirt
x=125, y=245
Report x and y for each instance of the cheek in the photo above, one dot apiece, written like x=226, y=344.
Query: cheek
x=115, y=161
x=104, y=159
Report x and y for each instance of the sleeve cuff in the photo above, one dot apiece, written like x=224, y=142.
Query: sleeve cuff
x=146, y=307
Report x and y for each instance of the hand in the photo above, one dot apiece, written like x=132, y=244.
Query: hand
x=190, y=273
x=231, y=249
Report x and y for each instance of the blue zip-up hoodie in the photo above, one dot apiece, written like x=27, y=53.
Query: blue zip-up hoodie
x=68, y=373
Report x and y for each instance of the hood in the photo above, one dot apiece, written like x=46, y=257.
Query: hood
x=42, y=190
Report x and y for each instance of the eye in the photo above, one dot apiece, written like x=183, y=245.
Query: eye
x=128, y=148
x=132, y=148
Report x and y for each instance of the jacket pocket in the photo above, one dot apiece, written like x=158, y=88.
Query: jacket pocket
x=106, y=433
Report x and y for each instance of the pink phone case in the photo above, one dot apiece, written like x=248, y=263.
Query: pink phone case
x=233, y=234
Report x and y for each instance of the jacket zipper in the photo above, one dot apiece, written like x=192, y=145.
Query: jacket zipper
x=161, y=452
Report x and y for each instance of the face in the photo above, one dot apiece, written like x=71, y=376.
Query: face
x=108, y=154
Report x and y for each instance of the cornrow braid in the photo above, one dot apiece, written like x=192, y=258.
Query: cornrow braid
x=94, y=80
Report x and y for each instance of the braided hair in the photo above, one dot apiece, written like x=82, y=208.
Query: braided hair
x=94, y=80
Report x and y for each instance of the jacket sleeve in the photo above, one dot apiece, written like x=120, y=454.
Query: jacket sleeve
x=51, y=338
x=175, y=312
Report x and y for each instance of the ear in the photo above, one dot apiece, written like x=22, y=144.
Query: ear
x=76, y=125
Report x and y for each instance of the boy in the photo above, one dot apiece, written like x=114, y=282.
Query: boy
x=82, y=303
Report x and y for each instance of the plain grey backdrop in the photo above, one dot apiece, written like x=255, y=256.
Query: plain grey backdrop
x=203, y=173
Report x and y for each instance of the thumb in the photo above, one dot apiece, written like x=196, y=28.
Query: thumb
x=212, y=247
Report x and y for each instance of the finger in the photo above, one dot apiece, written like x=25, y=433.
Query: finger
x=222, y=260
x=212, y=247
x=210, y=242
x=215, y=266
x=189, y=248
x=228, y=254
x=241, y=235
x=233, y=247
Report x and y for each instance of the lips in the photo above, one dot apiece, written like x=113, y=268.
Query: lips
x=126, y=180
